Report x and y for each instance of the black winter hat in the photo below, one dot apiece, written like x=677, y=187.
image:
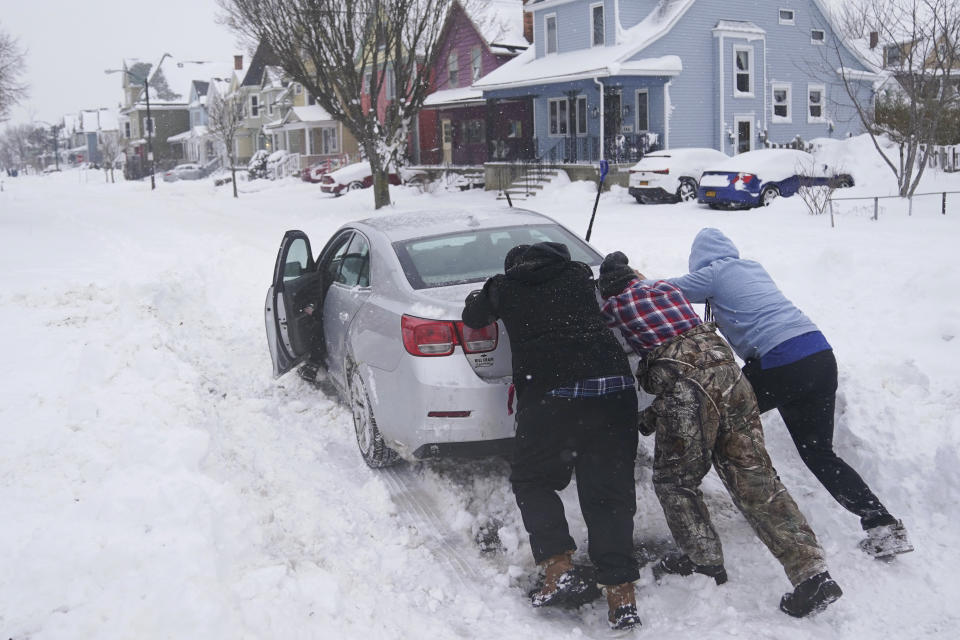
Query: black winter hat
x=514, y=256
x=615, y=274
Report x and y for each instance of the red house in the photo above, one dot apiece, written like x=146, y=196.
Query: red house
x=456, y=125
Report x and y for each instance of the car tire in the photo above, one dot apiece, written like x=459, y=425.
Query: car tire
x=355, y=186
x=768, y=195
x=639, y=199
x=373, y=449
x=687, y=190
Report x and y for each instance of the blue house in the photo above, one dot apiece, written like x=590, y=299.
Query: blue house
x=615, y=78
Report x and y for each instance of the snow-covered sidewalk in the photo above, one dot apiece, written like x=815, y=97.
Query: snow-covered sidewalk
x=156, y=482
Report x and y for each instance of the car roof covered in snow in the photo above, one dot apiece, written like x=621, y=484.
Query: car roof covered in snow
x=419, y=224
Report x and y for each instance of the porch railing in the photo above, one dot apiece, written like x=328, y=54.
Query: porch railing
x=622, y=148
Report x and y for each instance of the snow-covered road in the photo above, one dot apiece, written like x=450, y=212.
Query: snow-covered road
x=156, y=482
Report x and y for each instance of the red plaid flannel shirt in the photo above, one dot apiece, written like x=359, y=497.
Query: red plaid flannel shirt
x=649, y=314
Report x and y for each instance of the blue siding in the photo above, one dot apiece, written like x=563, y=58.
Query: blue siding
x=702, y=105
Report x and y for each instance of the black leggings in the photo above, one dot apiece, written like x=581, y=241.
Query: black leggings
x=805, y=394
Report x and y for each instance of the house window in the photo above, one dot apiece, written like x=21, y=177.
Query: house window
x=815, y=99
x=818, y=36
x=781, y=102
x=473, y=131
x=270, y=103
x=743, y=71
x=311, y=99
x=297, y=88
x=150, y=126
x=643, y=110
x=254, y=106
x=558, y=116
x=514, y=129
x=475, y=64
x=550, y=25
x=787, y=17
x=453, y=69
x=891, y=55
x=596, y=25
x=580, y=106
x=126, y=130
x=330, y=141
x=391, y=81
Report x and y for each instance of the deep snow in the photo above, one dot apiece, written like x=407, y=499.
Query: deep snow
x=156, y=482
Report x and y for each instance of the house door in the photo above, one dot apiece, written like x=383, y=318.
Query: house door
x=612, y=115
x=447, y=129
x=744, y=134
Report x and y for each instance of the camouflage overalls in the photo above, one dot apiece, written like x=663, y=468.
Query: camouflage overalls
x=705, y=411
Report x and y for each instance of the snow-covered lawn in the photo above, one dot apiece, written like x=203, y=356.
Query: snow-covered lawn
x=156, y=482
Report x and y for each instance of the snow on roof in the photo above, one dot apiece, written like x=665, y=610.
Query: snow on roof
x=312, y=113
x=98, y=120
x=194, y=132
x=500, y=22
x=526, y=69
x=180, y=75
x=454, y=97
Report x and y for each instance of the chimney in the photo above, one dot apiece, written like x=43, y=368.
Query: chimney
x=238, y=62
x=874, y=39
x=527, y=24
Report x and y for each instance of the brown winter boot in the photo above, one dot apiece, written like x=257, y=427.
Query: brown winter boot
x=562, y=583
x=622, y=601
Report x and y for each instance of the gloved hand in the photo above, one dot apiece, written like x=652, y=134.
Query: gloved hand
x=647, y=422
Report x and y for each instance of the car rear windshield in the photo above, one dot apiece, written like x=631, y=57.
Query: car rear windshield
x=474, y=256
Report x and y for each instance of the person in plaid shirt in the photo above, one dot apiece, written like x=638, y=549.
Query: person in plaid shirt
x=705, y=414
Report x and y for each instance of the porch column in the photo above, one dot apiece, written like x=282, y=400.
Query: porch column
x=492, y=133
x=307, y=140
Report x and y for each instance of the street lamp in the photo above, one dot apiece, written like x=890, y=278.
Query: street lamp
x=146, y=88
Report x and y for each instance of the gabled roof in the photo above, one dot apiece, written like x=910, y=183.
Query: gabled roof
x=262, y=57
x=616, y=59
x=500, y=23
x=596, y=62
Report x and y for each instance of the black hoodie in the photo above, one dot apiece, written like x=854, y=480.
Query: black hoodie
x=548, y=304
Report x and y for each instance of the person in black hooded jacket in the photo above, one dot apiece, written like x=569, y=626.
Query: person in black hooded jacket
x=577, y=410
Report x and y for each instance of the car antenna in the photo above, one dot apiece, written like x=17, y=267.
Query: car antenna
x=604, y=168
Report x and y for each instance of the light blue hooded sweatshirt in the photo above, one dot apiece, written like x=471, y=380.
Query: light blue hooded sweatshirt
x=749, y=309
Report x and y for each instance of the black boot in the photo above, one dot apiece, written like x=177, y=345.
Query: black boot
x=811, y=595
x=680, y=564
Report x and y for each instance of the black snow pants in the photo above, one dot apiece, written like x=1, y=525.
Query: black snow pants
x=804, y=392
x=597, y=438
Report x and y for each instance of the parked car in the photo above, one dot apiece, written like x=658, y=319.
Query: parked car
x=187, y=171
x=358, y=176
x=759, y=177
x=388, y=293
x=316, y=171
x=671, y=176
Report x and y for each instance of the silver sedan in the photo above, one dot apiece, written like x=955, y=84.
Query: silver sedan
x=379, y=310
x=188, y=171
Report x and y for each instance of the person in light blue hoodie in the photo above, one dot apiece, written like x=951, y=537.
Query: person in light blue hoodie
x=791, y=367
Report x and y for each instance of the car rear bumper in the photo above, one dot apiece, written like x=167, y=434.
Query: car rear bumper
x=726, y=195
x=479, y=449
x=652, y=193
x=405, y=397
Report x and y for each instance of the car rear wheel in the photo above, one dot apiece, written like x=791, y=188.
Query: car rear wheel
x=354, y=186
x=372, y=447
x=687, y=190
x=768, y=195
x=640, y=199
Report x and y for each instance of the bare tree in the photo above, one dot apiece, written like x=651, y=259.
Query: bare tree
x=225, y=119
x=110, y=148
x=919, y=102
x=12, y=64
x=342, y=49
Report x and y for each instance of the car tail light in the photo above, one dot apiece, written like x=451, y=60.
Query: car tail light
x=747, y=177
x=423, y=337
x=478, y=340
x=735, y=179
x=663, y=172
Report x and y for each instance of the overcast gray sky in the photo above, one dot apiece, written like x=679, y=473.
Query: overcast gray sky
x=70, y=43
